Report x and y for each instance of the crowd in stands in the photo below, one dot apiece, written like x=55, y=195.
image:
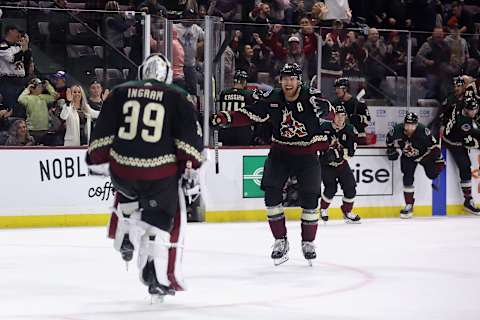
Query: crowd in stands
x=361, y=39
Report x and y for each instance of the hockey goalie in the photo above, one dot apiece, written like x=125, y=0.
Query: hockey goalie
x=146, y=133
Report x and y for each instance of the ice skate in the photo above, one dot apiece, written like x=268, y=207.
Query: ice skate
x=126, y=249
x=280, y=251
x=308, y=249
x=406, y=212
x=469, y=207
x=324, y=215
x=351, y=218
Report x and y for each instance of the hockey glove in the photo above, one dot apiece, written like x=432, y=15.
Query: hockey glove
x=439, y=165
x=330, y=155
x=102, y=170
x=392, y=154
x=221, y=119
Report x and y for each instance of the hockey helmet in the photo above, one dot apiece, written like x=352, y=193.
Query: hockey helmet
x=340, y=108
x=471, y=103
x=291, y=69
x=458, y=81
x=343, y=83
x=240, y=75
x=156, y=67
x=411, y=117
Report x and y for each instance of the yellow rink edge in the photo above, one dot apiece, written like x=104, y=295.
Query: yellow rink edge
x=80, y=220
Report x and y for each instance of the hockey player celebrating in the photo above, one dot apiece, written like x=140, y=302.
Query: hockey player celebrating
x=295, y=112
x=232, y=99
x=454, y=100
x=335, y=168
x=460, y=136
x=146, y=133
x=418, y=146
x=357, y=111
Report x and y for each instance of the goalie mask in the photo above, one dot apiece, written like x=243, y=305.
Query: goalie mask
x=156, y=67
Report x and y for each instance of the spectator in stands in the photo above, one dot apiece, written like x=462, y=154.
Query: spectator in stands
x=15, y=58
x=245, y=62
x=458, y=46
x=178, y=61
x=229, y=10
x=229, y=63
x=152, y=7
x=78, y=117
x=295, y=12
x=97, y=95
x=319, y=13
x=259, y=15
x=334, y=42
x=466, y=26
x=277, y=9
x=353, y=55
x=375, y=63
x=60, y=84
x=294, y=53
x=308, y=40
x=338, y=10
x=18, y=135
x=35, y=103
x=5, y=113
x=434, y=58
x=191, y=36
x=396, y=57
x=115, y=26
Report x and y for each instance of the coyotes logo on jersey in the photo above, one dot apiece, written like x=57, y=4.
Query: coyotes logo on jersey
x=410, y=151
x=291, y=127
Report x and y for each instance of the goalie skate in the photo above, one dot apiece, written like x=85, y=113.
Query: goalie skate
x=127, y=249
x=280, y=251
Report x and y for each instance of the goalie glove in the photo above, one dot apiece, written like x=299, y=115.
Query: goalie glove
x=392, y=154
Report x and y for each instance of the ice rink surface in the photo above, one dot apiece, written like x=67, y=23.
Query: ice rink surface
x=425, y=268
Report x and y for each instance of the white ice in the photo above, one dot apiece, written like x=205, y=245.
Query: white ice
x=424, y=268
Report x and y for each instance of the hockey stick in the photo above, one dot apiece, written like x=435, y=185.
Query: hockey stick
x=312, y=82
x=215, y=134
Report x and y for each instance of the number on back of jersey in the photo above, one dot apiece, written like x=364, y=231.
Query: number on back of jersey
x=149, y=127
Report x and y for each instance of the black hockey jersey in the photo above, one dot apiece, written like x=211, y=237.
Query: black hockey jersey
x=296, y=124
x=418, y=146
x=146, y=131
x=448, y=107
x=232, y=99
x=342, y=141
x=461, y=130
x=357, y=113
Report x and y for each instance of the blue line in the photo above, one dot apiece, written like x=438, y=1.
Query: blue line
x=439, y=197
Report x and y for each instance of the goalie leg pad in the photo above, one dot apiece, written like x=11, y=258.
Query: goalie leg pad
x=154, y=246
x=128, y=215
